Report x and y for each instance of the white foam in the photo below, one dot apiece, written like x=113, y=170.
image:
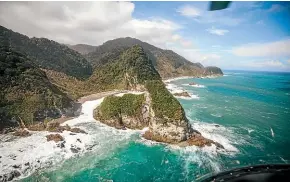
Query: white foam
x=272, y=132
x=34, y=152
x=195, y=85
x=217, y=115
x=192, y=96
x=250, y=131
x=220, y=134
x=177, y=78
x=174, y=88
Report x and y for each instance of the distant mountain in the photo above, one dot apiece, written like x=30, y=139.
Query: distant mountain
x=47, y=54
x=26, y=93
x=83, y=48
x=166, y=62
x=130, y=69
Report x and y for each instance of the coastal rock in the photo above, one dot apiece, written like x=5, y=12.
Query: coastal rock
x=54, y=137
x=7, y=130
x=37, y=127
x=10, y=176
x=168, y=131
x=61, y=145
x=77, y=130
x=54, y=127
x=182, y=94
x=126, y=118
x=21, y=133
x=74, y=150
x=196, y=139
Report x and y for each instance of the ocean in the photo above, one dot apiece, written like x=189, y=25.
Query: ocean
x=247, y=112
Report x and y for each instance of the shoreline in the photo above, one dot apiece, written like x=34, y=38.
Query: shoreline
x=187, y=77
x=99, y=95
x=25, y=155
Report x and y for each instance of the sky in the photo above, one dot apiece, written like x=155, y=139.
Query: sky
x=246, y=36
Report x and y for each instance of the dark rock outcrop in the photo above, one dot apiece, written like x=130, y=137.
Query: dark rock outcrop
x=10, y=176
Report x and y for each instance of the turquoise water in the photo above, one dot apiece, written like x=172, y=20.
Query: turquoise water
x=247, y=112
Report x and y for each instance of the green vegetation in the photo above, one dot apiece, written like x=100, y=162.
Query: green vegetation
x=166, y=62
x=26, y=93
x=47, y=54
x=164, y=104
x=72, y=86
x=138, y=67
x=128, y=104
x=132, y=67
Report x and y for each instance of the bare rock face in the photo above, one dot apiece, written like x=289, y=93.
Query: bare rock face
x=54, y=137
x=124, y=121
x=21, y=133
x=168, y=132
x=183, y=94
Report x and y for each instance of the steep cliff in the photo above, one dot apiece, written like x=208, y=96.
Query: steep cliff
x=157, y=108
x=26, y=94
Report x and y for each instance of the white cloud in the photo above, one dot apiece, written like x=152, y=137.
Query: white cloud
x=196, y=55
x=202, y=15
x=189, y=11
x=267, y=65
x=275, y=8
x=278, y=48
x=217, y=31
x=87, y=22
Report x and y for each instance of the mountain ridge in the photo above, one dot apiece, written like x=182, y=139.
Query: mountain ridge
x=68, y=75
x=47, y=54
x=168, y=63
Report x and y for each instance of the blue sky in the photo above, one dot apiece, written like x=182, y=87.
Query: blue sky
x=247, y=35
x=219, y=32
